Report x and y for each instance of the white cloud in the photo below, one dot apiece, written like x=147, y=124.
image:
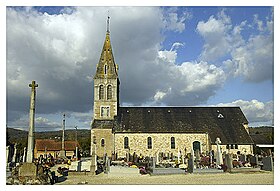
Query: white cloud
x=174, y=21
x=251, y=58
x=258, y=113
x=214, y=32
x=189, y=83
x=61, y=51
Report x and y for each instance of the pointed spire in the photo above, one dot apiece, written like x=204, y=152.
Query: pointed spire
x=108, y=20
x=106, y=66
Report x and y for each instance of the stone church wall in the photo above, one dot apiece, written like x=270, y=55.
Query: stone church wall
x=161, y=142
x=105, y=134
x=241, y=148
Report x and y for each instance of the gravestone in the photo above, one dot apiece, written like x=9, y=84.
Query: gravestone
x=157, y=158
x=15, y=154
x=242, y=158
x=228, y=162
x=7, y=155
x=190, y=164
x=154, y=162
x=24, y=155
x=79, y=166
x=254, y=161
x=93, y=166
x=267, y=163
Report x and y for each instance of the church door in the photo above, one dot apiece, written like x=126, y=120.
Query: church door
x=196, y=146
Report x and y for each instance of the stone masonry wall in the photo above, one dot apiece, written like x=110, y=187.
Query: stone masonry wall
x=241, y=148
x=161, y=142
x=105, y=134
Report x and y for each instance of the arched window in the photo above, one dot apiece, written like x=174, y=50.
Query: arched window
x=109, y=92
x=101, y=92
x=172, y=143
x=149, y=142
x=126, y=144
x=102, y=142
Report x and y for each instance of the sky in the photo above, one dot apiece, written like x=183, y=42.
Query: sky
x=167, y=56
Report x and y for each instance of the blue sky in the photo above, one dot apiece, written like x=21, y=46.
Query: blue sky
x=168, y=56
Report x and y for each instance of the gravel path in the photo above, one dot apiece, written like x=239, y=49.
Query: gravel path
x=131, y=176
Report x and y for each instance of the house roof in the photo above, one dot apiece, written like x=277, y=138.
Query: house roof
x=53, y=145
x=223, y=122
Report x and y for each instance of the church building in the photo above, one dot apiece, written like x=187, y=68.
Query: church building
x=148, y=131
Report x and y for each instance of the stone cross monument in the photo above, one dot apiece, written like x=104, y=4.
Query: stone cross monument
x=219, y=159
x=62, y=152
x=30, y=148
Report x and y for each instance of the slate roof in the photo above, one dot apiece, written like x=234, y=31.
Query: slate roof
x=53, y=145
x=262, y=139
x=223, y=122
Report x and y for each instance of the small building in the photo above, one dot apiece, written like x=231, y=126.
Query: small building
x=53, y=147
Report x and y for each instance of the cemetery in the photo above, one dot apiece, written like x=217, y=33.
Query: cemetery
x=24, y=168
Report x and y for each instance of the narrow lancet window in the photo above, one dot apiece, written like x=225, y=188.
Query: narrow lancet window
x=149, y=143
x=101, y=92
x=172, y=143
x=102, y=142
x=109, y=92
x=126, y=143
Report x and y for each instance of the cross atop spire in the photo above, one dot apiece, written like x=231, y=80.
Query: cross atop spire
x=108, y=31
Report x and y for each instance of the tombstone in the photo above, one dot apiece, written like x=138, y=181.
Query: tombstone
x=24, y=155
x=106, y=165
x=134, y=157
x=15, y=154
x=157, y=158
x=228, y=162
x=93, y=166
x=254, y=161
x=7, y=155
x=191, y=163
x=267, y=163
x=242, y=158
x=154, y=162
x=79, y=166
x=219, y=159
x=178, y=156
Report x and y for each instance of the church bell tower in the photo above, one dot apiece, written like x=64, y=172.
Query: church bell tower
x=106, y=99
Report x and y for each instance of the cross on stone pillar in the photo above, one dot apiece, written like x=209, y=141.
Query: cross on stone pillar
x=30, y=148
x=62, y=152
x=219, y=159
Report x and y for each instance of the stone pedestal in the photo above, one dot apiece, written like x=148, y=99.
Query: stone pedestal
x=28, y=170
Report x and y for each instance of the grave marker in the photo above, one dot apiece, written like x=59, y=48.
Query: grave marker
x=267, y=163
